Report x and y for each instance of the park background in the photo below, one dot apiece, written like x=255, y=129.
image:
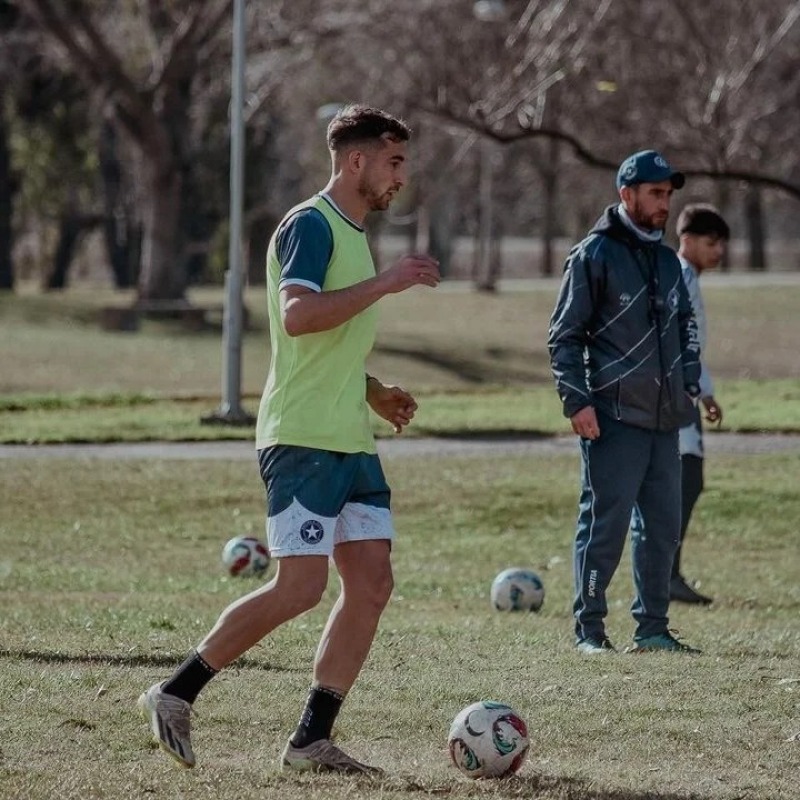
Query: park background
x=115, y=197
x=114, y=127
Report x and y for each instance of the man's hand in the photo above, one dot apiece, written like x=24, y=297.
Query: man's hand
x=713, y=410
x=584, y=423
x=306, y=311
x=410, y=270
x=392, y=403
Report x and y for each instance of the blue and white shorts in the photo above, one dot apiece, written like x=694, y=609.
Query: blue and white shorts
x=317, y=499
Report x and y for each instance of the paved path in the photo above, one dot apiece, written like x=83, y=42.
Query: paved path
x=389, y=448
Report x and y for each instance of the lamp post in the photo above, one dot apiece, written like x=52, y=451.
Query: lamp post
x=486, y=11
x=230, y=411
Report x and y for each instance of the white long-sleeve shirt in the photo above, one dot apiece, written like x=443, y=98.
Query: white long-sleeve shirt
x=691, y=436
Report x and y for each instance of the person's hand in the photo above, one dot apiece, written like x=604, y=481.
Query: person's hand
x=584, y=423
x=713, y=410
x=392, y=403
x=411, y=270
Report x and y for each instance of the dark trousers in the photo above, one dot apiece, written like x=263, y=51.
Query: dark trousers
x=626, y=468
x=691, y=489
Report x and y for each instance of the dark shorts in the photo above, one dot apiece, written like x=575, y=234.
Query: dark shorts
x=317, y=499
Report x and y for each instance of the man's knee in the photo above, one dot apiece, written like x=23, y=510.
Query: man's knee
x=301, y=591
x=381, y=589
x=374, y=590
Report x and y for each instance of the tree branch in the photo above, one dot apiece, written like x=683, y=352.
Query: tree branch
x=192, y=32
x=587, y=156
x=95, y=58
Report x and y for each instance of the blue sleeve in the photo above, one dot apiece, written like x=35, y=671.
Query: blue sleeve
x=568, y=334
x=304, y=248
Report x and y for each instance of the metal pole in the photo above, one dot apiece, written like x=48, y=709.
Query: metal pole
x=491, y=11
x=485, y=279
x=230, y=410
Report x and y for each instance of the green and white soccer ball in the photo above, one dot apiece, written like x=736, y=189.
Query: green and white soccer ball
x=245, y=557
x=517, y=589
x=488, y=740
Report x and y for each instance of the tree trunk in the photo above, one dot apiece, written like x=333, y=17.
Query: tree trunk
x=72, y=227
x=163, y=275
x=7, y=189
x=723, y=202
x=442, y=224
x=115, y=222
x=69, y=230
x=259, y=231
x=549, y=222
x=116, y=230
x=756, y=234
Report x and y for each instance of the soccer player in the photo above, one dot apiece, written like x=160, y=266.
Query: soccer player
x=327, y=496
x=625, y=357
x=703, y=235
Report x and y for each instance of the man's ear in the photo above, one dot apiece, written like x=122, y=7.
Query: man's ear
x=355, y=160
x=626, y=194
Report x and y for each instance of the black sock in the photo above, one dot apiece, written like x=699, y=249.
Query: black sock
x=318, y=716
x=188, y=680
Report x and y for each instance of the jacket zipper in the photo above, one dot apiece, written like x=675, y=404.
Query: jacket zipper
x=650, y=258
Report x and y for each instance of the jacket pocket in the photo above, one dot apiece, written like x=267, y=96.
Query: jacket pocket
x=677, y=407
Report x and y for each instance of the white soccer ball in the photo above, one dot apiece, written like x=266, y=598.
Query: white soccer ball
x=245, y=557
x=488, y=740
x=517, y=589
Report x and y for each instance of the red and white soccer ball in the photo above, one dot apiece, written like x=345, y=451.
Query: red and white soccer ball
x=488, y=740
x=517, y=589
x=245, y=557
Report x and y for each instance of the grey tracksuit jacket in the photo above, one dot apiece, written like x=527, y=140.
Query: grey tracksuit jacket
x=623, y=337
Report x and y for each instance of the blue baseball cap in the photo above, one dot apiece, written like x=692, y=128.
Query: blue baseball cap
x=647, y=166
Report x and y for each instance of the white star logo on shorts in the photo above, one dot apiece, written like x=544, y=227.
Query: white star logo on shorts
x=311, y=532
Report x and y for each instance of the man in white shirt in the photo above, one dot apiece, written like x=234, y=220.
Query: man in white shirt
x=703, y=236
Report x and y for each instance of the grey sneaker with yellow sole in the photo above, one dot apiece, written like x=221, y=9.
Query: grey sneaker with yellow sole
x=169, y=721
x=323, y=756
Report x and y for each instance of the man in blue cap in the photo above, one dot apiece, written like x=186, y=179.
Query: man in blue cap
x=626, y=360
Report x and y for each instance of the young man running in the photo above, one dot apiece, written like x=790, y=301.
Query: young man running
x=326, y=492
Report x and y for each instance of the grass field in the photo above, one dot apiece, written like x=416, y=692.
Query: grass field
x=477, y=362
x=109, y=573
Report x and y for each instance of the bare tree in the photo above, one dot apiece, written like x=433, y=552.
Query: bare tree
x=576, y=84
x=712, y=81
x=147, y=66
x=713, y=84
x=7, y=181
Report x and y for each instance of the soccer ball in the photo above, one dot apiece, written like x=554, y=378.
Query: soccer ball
x=245, y=556
x=488, y=740
x=517, y=590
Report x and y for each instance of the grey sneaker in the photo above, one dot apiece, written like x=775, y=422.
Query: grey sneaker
x=169, y=720
x=594, y=646
x=323, y=756
x=664, y=642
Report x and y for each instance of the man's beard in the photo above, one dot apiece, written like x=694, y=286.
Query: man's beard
x=375, y=201
x=645, y=222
